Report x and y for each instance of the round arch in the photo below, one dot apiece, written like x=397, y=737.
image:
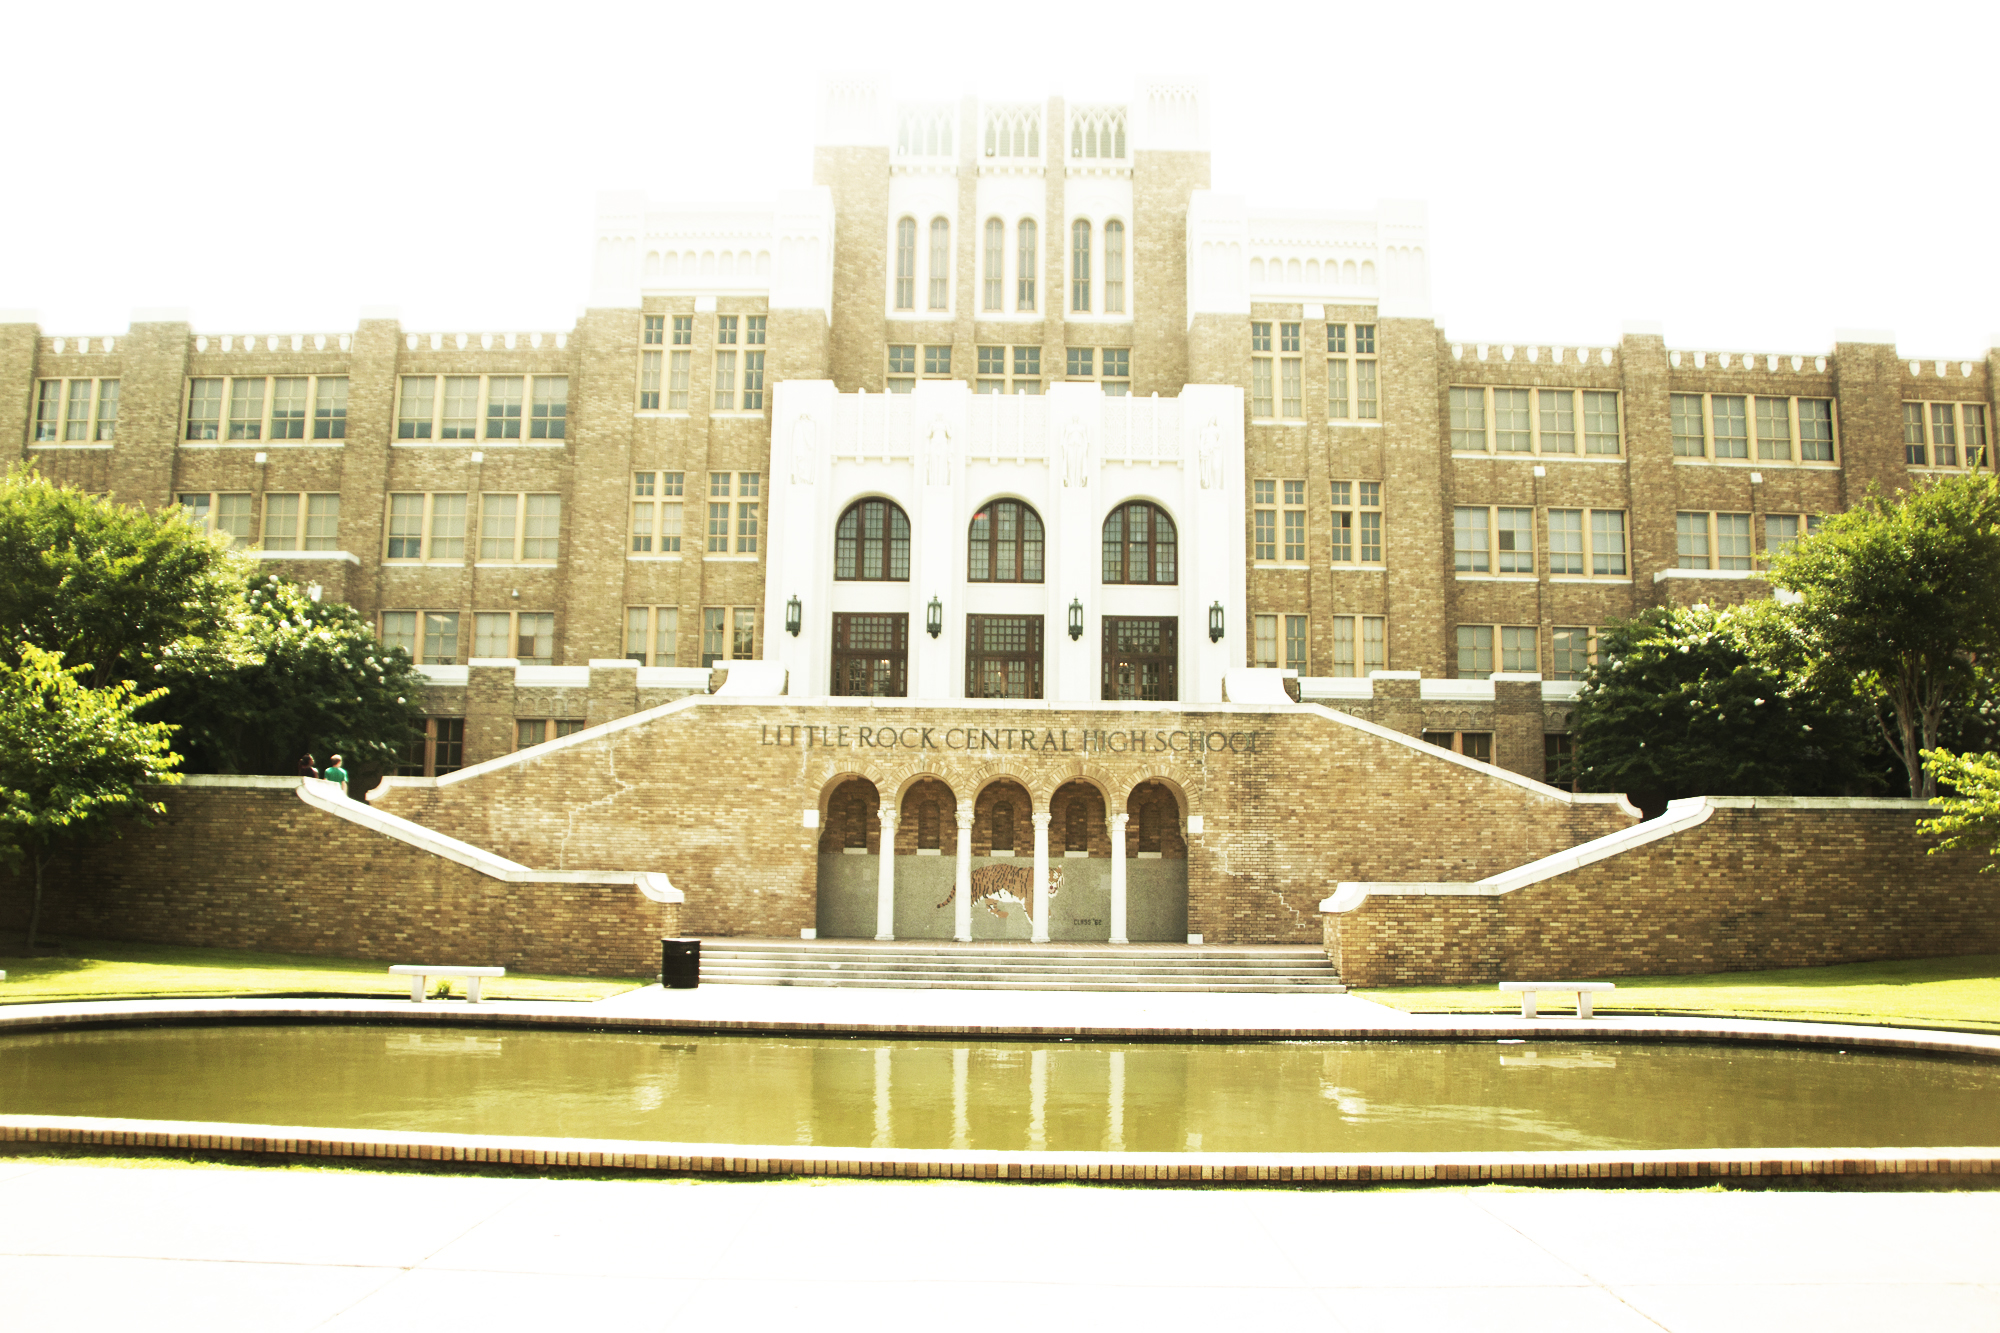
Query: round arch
x=871, y=542
x=1140, y=545
x=1005, y=541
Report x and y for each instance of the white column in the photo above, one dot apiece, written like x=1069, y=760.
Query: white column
x=1041, y=935
x=1118, y=823
x=885, y=882
x=961, y=909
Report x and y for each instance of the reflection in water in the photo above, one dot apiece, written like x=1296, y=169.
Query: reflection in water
x=1065, y=1096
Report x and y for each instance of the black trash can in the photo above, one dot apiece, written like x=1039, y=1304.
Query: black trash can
x=680, y=964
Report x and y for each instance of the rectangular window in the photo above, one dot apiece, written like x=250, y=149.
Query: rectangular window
x=1730, y=426
x=246, y=409
x=1336, y=388
x=1003, y=657
x=437, y=749
x=992, y=362
x=1475, y=652
x=1291, y=386
x=937, y=359
x=107, y=407
x=754, y=328
x=1260, y=387
x=1374, y=644
x=1343, y=646
x=440, y=645
x=1468, y=540
x=1027, y=261
x=204, y=417
x=1607, y=542
x=1336, y=339
x=1685, y=415
x=322, y=523
x=281, y=523
x=1081, y=363
x=1352, y=658
x=1511, y=433
x=1343, y=522
x=940, y=270
x=1027, y=371
x=1114, y=268
x=530, y=731
x=1364, y=339
x=1914, y=451
x=1570, y=653
x=503, y=407
x=995, y=286
x=549, y=412
x=498, y=521
x=415, y=413
x=406, y=526
x=399, y=630
x=1815, y=430
x=541, y=528
x=1974, y=415
x=1295, y=520
x=448, y=527
x=330, y=408
x=1780, y=531
x=725, y=330
x=1691, y=541
x=1264, y=494
x=535, y=638
x=1518, y=645
x=1558, y=420
x=1514, y=540
x=683, y=330
x=48, y=412
x=288, y=407
x=1565, y=541
x=678, y=369
x=656, y=330
x=1117, y=379
x=1944, y=436
x=1468, y=421
x=649, y=380
x=1368, y=496
x=493, y=634
x=871, y=655
x=1140, y=656
x=461, y=408
x=1774, y=429
x=743, y=634
x=714, y=635
x=76, y=421
x=1732, y=541
x=233, y=517
x=753, y=381
x=1366, y=406
x=1079, y=266
x=1295, y=643
x=1264, y=647
x=1600, y=422
x=1559, y=759
x=652, y=634
x=725, y=382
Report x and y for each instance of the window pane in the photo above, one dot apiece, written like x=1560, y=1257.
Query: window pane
x=551, y=406
x=1732, y=541
x=330, y=408
x=725, y=382
x=1517, y=648
x=204, y=409
x=233, y=517
x=413, y=421
x=288, y=407
x=1607, y=542
x=1780, y=531
x=1816, y=430
x=1510, y=421
x=281, y=523
x=503, y=407
x=107, y=408
x=492, y=634
x=1266, y=641
x=1686, y=421
x=440, y=646
x=322, y=523
x=496, y=526
x=1691, y=541
x=1558, y=420
x=1570, y=653
x=1364, y=385
x=406, y=527
x=1469, y=549
x=246, y=409
x=1514, y=540
x=940, y=263
x=448, y=527
x=1343, y=646
x=1565, y=541
x=1774, y=429
x=1732, y=427
x=1468, y=420
x=1600, y=422
x=77, y=421
x=48, y=411
x=541, y=527
x=1475, y=652
x=1374, y=644
x=399, y=630
x=1027, y=263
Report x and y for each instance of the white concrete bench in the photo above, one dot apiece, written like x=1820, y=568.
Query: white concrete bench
x=1584, y=990
x=420, y=975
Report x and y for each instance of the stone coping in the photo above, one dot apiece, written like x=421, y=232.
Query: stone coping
x=620, y=1013
x=1191, y=1168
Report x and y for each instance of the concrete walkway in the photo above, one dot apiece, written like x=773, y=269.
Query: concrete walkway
x=88, y=1248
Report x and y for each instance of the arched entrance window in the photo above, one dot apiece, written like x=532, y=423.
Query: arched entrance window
x=1004, y=544
x=871, y=543
x=1140, y=545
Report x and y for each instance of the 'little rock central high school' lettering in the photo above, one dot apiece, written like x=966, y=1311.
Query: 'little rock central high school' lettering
x=1003, y=739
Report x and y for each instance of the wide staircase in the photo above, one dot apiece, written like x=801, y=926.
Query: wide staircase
x=937, y=965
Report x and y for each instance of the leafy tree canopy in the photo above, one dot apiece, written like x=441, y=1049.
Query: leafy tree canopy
x=1704, y=701
x=70, y=757
x=311, y=677
x=1900, y=602
x=1972, y=815
x=123, y=590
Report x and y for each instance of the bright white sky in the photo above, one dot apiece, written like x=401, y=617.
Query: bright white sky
x=1753, y=176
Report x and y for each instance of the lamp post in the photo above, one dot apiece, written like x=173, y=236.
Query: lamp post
x=1215, y=622
x=794, y=616
x=934, y=617
x=1075, y=619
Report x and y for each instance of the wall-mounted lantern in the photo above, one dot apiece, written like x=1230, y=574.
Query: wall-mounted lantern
x=794, y=616
x=1215, y=622
x=934, y=617
x=1075, y=619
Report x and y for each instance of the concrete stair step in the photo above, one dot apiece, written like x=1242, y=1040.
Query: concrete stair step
x=859, y=975
x=1022, y=984
x=934, y=965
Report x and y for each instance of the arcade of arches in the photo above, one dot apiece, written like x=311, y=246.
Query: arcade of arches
x=991, y=863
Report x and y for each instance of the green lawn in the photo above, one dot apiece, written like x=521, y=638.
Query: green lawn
x=1959, y=992
x=107, y=970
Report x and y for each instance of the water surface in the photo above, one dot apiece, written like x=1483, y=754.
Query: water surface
x=1061, y=1096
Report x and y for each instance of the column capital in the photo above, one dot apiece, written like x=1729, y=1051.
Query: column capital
x=886, y=815
x=1042, y=819
x=1119, y=821
x=965, y=814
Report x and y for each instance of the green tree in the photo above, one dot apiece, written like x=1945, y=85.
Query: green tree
x=311, y=676
x=1973, y=813
x=1699, y=701
x=71, y=758
x=1901, y=600
x=124, y=589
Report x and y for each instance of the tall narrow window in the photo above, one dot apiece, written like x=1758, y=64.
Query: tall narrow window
x=1114, y=268
x=549, y=412
x=906, y=264
x=413, y=421
x=1469, y=548
x=1774, y=429
x=246, y=409
x=940, y=263
x=205, y=409
x=1139, y=545
x=996, y=253
x=1079, y=265
x=288, y=408
x=1027, y=262
x=1731, y=426
x=503, y=407
x=329, y=408
x=1685, y=419
x=1816, y=430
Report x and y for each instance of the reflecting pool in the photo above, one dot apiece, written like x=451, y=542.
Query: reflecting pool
x=1059, y=1096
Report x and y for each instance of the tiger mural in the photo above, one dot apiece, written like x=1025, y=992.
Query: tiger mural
x=1015, y=883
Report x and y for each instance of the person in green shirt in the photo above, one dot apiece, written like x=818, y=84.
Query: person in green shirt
x=335, y=773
